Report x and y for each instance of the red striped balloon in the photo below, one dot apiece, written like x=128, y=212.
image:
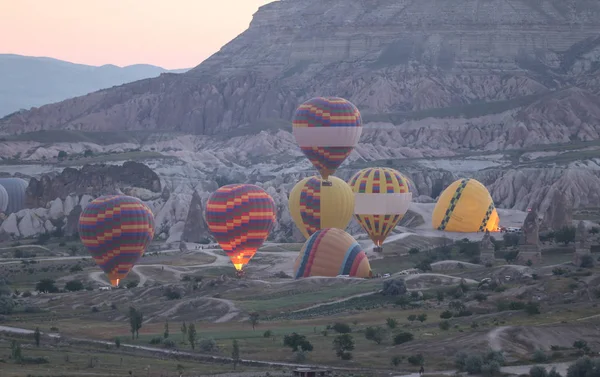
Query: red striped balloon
x=240, y=217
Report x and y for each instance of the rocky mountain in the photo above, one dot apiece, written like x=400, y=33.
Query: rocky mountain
x=27, y=81
x=505, y=91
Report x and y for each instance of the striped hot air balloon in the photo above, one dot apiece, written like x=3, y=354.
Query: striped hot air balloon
x=240, y=217
x=466, y=206
x=381, y=197
x=116, y=229
x=331, y=252
x=3, y=199
x=327, y=130
x=16, y=189
x=315, y=205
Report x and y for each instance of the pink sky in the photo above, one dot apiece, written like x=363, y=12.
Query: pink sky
x=168, y=33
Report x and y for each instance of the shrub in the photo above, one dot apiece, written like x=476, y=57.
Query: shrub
x=341, y=328
x=417, y=359
x=403, y=337
x=444, y=325
x=156, y=340
x=446, y=314
x=208, y=345
x=539, y=356
x=488, y=363
x=74, y=286
x=538, y=371
x=168, y=343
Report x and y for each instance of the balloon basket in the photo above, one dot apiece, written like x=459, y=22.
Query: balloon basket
x=240, y=274
x=378, y=249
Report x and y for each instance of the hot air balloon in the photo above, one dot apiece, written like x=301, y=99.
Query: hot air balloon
x=116, y=229
x=465, y=206
x=3, y=199
x=240, y=217
x=381, y=198
x=331, y=252
x=327, y=130
x=15, y=187
x=315, y=205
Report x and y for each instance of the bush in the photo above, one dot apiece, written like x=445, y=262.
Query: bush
x=267, y=334
x=396, y=360
x=417, y=359
x=532, y=308
x=74, y=286
x=488, y=363
x=538, y=371
x=208, y=345
x=414, y=250
x=132, y=284
x=444, y=325
x=172, y=294
x=554, y=373
x=480, y=296
x=584, y=367
x=375, y=334
x=168, y=343
x=341, y=328
x=156, y=340
x=565, y=235
x=539, y=356
x=403, y=337
x=7, y=305
x=46, y=286
x=446, y=314
x=297, y=342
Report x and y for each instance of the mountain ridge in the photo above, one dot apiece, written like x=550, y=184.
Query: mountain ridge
x=27, y=81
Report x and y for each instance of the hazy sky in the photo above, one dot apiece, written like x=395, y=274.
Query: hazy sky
x=168, y=33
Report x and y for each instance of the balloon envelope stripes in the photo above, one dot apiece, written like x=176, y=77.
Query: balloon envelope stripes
x=116, y=229
x=240, y=217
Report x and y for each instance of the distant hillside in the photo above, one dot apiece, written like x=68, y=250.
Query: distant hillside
x=27, y=81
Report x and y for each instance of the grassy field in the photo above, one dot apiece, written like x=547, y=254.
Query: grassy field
x=61, y=359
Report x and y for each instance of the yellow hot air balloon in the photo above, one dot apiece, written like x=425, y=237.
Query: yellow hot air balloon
x=331, y=252
x=466, y=206
x=381, y=199
x=315, y=204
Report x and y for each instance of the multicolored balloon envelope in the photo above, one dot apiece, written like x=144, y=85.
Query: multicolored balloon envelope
x=381, y=199
x=16, y=189
x=116, y=229
x=315, y=205
x=3, y=199
x=327, y=130
x=465, y=206
x=331, y=252
x=240, y=217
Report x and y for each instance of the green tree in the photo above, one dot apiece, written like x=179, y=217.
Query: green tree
x=412, y=317
x=46, y=286
x=235, y=353
x=183, y=332
x=166, y=331
x=118, y=342
x=403, y=337
x=37, y=336
x=422, y=317
x=74, y=285
x=297, y=342
x=343, y=344
x=15, y=351
x=136, y=319
x=254, y=319
x=565, y=235
x=376, y=334
x=391, y=323
x=191, y=332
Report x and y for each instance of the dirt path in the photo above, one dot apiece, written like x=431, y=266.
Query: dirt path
x=334, y=302
x=26, y=246
x=494, y=337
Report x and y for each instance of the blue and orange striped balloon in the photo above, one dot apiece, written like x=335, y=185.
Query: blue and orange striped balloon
x=116, y=229
x=327, y=130
x=240, y=217
x=331, y=252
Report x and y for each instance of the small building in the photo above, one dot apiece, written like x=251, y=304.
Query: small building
x=311, y=372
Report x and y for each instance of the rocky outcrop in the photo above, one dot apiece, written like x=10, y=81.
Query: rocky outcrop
x=93, y=180
x=559, y=213
x=396, y=60
x=196, y=229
